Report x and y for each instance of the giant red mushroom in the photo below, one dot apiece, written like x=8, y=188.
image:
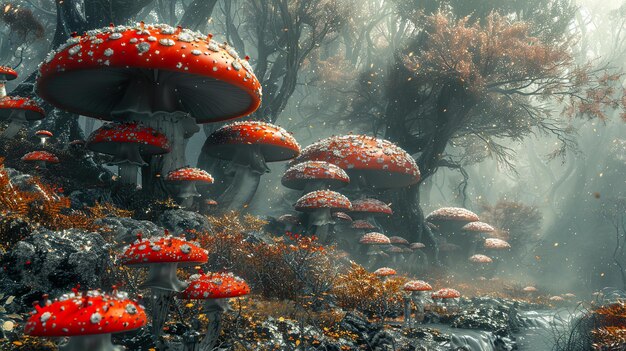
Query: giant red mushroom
x=215, y=289
x=88, y=319
x=185, y=180
x=40, y=158
x=171, y=79
x=248, y=146
x=127, y=142
x=315, y=175
x=6, y=73
x=319, y=206
x=162, y=255
x=18, y=111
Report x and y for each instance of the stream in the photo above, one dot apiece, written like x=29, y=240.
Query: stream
x=537, y=333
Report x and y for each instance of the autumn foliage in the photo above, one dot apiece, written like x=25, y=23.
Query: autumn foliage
x=42, y=205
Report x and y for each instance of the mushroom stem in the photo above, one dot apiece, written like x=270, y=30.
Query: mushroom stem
x=18, y=121
x=242, y=188
x=313, y=186
x=213, y=310
x=96, y=342
x=407, y=311
x=185, y=192
x=248, y=165
x=160, y=309
x=419, y=305
x=3, y=88
x=162, y=276
x=321, y=219
x=178, y=127
x=127, y=172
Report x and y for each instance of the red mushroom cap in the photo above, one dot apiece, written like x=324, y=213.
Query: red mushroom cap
x=385, y=271
x=342, y=216
x=371, y=206
x=32, y=111
x=214, y=286
x=480, y=259
x=297, y=176
x=77, y=142
x=496, y=244
x=478, y=227
x=211, y=202
x=382, y=163
x=44, y=133
x=417, y=285
x=188, y=174
x=446, y=293
x=7, y=73
x=362, y=224
x=44, y=156
x=275, y=143
x=398, y=240
x=109, y=137
x=452, y=214
x=374, y=238
x=322, y=199
x=417, y=246
x=85, y=74
x=167, y=249
x=92, y=313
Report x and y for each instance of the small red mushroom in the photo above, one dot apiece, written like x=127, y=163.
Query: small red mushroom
x=185, y=180
x=40, y=158
x=6, y=73
x=248, y=146
x=319, y=206
x=88, y=319
x=215, y=289
x=128, y=143
x=446, y=295
x=18, y=111
x=385, y=272
x=43, y=135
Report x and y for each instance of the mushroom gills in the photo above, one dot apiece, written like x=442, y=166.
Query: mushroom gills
x=96, y=342
x=247, y=166
x=17, y=122
x=162, y=276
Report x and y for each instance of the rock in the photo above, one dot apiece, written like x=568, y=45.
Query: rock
x=179, y=221
x=53, y=263
x=125, y=229
x=89, y=197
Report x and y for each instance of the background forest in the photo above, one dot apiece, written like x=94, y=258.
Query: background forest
x=512, y=109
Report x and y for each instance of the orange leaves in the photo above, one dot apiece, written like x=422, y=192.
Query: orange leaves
x=495, y=52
